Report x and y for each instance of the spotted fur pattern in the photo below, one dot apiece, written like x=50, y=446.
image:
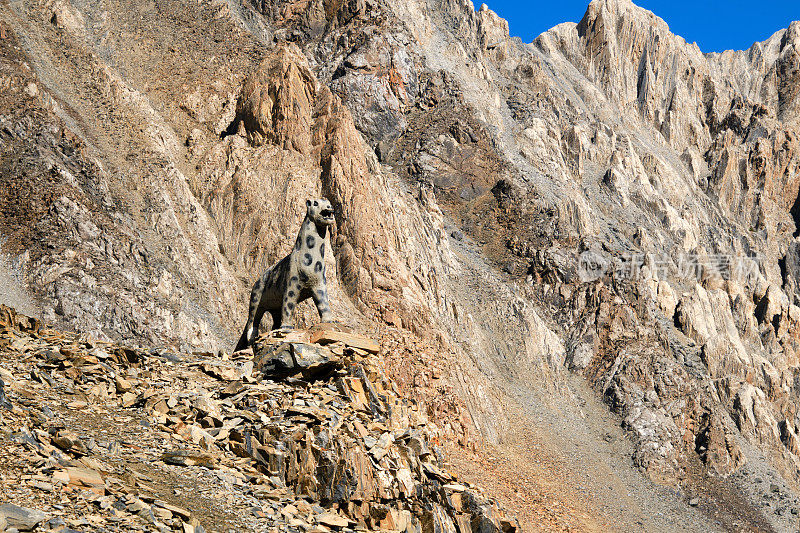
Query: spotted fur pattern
x=295, y=278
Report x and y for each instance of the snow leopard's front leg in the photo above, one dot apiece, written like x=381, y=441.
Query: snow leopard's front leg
x=320, y=296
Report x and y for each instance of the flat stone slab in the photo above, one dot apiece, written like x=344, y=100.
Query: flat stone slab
x=188, y=458
x=327, y=336
x=332, y=519
x=22, y=518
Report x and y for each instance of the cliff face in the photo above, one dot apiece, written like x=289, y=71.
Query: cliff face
x=156, y=157
x=615, y=137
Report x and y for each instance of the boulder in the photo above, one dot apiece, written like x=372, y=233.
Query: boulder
x=292, y=358
x=21, y=518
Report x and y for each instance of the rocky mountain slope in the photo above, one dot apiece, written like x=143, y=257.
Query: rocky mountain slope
x=204, y=445
x=154, y=156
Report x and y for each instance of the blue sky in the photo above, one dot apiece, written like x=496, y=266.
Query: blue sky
x=715, y=25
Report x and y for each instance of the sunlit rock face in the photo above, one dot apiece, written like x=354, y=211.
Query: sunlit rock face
x=471, y=174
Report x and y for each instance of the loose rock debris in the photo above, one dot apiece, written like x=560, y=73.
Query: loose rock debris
x=292, y=435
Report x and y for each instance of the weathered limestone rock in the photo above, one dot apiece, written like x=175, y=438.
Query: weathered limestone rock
x=717, y=446
x=277, y=100
x=188, y=458
x=289, y=359
x=752, y=413
x=83, y=478
x=21, y=518
x=326, y=336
